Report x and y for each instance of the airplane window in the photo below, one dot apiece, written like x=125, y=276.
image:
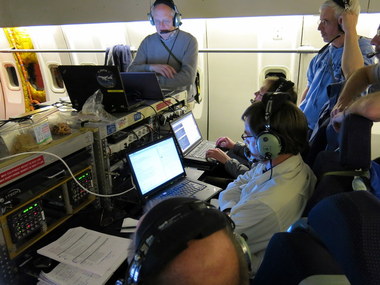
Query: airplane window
x=276, y=74
x=12, y=75
x=56, y=76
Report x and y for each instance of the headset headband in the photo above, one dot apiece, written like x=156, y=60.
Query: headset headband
x=167, y=229
x=166, y=2
x=345, y=4
x=284, y=85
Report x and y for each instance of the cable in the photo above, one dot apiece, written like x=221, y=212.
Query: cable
x=155, y=111
x=172, y=97
x=169, y=104
x=72, y=175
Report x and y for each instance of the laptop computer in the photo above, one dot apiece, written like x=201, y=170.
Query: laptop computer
x=191, y=143
x=145, y=84
x=158, y=173
x=82, y=81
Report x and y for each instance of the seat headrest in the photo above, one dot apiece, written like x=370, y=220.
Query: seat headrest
x=355, y=142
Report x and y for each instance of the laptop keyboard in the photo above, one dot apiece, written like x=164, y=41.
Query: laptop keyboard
x=200, y=150
x=184, y=189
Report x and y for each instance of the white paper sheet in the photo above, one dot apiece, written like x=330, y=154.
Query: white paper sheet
x=88, y=250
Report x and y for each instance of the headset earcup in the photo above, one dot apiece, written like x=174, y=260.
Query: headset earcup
x=177, y=20
x=150, y=18
x=268, y=145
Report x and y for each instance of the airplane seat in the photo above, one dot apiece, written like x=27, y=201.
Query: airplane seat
x=293, y=258
x=346, y=169
x=336, y=244
x=348, y=224
x=317, y=143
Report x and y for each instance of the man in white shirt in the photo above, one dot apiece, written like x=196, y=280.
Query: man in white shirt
x=273, y=194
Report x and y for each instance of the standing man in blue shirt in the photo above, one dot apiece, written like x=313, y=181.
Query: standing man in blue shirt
x=344, y=53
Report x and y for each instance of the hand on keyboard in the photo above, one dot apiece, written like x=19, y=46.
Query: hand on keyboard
x=218, y=155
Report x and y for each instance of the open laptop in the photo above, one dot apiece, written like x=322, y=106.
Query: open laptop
x=145, y=84
x=82, y=81
x=158, y=173
x=190, y=141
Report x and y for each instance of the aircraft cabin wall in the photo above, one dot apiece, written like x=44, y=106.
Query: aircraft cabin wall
x=228, y=79
x=16, y=13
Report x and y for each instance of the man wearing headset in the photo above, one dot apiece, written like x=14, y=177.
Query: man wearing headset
x=170, y=52
x=342, y=55
x=234, y=161
x=272, y=195
x=187, y=241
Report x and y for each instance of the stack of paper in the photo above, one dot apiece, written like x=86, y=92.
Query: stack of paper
x=86, y=256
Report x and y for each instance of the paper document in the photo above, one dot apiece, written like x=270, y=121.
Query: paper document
x=64, y=274
x=88, y=250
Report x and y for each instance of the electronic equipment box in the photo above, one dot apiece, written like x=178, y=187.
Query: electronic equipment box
x=39, y=193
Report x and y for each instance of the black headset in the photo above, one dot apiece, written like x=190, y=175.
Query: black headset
x=268, y=142
x=345, y=4
x=177, y=15
x=167, y=228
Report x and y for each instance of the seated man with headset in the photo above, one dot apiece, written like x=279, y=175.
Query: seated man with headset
x=187, y=241
x=170, y=52
x=272, y=195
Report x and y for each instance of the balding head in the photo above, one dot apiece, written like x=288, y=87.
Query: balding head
x=211, y=260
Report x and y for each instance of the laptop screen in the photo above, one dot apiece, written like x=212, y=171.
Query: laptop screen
x=144, y=83
x=186, y=131
x=82, y=81
x=155, y=165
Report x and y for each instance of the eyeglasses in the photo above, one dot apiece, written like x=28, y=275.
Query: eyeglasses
x=245, y=136
x=324, y=22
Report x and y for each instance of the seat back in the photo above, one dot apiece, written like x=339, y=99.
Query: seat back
x=293, y=257
x=336, y=170
x=355, y=142
x=348, y=224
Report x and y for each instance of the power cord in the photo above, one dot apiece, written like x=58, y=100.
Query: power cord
x=72, y=175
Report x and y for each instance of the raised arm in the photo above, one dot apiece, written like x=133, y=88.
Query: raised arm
x=352, y=58
x=354, y=86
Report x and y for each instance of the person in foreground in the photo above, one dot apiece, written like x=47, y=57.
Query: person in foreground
x=170, y=52
x=272, y=195
x=189, y=242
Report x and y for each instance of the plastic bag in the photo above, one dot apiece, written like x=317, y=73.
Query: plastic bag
x=93, y=109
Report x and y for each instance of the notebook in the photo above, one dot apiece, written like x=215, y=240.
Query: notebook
x=158, y=173
x=82, y=81
x=145, y=84
x=190, y=141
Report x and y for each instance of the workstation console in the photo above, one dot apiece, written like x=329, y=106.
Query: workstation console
x=40, y=190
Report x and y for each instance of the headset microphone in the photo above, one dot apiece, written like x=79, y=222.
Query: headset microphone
x=372, y=54
x=167, y=31
x=327, y=45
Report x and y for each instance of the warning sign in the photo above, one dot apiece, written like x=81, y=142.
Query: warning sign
x=21, y=169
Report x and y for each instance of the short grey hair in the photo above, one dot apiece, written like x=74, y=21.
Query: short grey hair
x=354, y=7
x=154, y=7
